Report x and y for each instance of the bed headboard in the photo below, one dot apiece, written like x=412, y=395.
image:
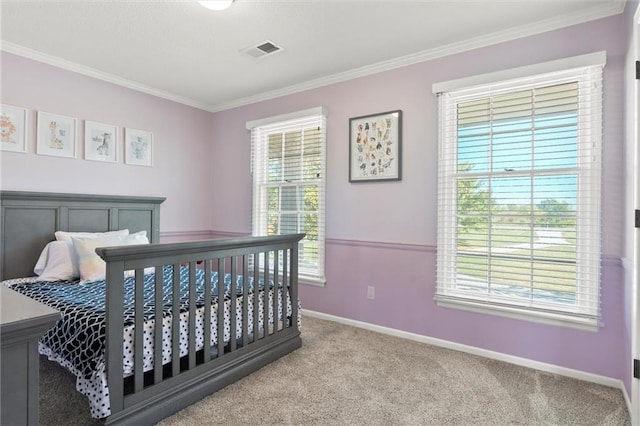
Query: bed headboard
x=29, y=220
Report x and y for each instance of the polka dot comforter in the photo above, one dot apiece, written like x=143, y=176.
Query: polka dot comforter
x=77, y=342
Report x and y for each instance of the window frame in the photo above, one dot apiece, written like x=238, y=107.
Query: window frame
x=473, y=88
x=259, y=130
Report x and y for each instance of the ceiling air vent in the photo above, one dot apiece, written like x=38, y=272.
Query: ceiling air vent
x=263, y=49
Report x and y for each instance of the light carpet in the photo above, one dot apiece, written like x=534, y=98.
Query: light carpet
x=344, y=375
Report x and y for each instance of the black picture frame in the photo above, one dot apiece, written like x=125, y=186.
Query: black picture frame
x=375, y=147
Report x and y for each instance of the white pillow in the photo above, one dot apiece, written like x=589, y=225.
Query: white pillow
x=90, y=265
x=66, y=236
x=41, y=264
x=137, y=238
x=57, y=262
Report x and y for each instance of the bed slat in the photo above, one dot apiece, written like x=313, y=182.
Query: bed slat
x=139, y=332
x=192, y=315
x=256, y=294
x=221, y=303
x=274, y=296
x=245, y=300
x=293, y=287
x=265, y=294
x=157, y=338
x=175, y=321
x=115, y=330
x=232, y=308
x=285, y=284
x=207, y=311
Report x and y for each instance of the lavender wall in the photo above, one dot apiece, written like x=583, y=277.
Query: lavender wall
x=384, y=234
x=379, y=234
x=182, y=144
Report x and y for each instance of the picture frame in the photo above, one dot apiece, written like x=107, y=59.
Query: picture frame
x=138, y=147
x=375, y=147
x=13, y=128
x=56, y=135
x=100, y=142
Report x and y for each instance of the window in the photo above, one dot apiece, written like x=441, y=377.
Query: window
x=288, y=164
x=519, y=193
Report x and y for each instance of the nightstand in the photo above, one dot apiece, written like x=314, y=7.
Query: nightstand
x=22, y=322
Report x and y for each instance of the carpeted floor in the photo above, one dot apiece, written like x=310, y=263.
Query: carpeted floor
x=345, y=375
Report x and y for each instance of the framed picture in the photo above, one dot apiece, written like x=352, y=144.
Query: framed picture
x=100, y=142
x=375, y=143
x=56, y=135
x=138, y=147
x=13, y=129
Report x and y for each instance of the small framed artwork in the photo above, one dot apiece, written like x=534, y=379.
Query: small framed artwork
x=100, y=142
x=375, y=147
x=138, y=147
x=56, y=135
x=13, y=129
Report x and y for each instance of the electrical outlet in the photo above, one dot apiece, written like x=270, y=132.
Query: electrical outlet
x=371, y=292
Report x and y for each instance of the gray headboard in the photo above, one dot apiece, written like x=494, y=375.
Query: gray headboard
x=29, y=220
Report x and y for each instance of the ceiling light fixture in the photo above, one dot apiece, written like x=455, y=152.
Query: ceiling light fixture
x=216, y=4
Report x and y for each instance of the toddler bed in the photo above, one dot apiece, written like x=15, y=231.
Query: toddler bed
x=141, y=374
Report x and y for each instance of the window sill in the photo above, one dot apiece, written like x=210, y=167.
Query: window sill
x=517, y=313
x=313, y=281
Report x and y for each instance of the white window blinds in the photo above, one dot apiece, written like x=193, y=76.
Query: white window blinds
x=288, y=163
x=519, y=197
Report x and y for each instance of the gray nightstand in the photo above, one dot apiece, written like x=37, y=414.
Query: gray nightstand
x=22, y=322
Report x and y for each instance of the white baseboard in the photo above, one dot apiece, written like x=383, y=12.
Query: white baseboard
x=627, y=400
x=524, y=362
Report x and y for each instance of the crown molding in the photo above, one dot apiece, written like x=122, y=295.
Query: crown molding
x=58, y=62
x=555, y=23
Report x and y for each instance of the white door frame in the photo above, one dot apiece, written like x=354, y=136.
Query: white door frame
x=635, y=132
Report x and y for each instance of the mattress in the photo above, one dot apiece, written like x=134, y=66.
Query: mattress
x=78, y=340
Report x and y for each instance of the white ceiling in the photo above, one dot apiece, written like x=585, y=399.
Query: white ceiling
x=184, y=52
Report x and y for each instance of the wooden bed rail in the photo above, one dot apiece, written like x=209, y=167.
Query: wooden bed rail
x=151, y=396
